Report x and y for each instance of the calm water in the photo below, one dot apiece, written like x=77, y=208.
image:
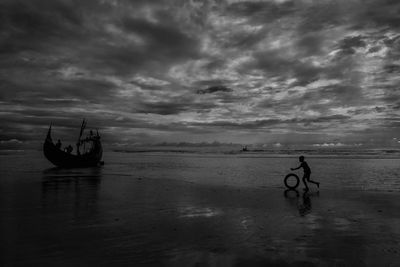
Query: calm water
x=259, y=170
x=242, y=170
x=159, y=209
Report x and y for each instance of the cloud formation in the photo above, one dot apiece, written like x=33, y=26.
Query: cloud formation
x=214, y=89
x=288, y=72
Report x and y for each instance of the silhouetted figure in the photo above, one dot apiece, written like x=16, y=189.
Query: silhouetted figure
x=69, y=149
x=307, y=172
x=58, y=144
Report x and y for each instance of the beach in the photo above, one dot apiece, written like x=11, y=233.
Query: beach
x=187, y=119
x=168, y=209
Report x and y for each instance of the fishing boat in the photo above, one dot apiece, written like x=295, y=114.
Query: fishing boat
x=90, y=156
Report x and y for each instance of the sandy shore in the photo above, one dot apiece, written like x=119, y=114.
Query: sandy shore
x=65, y=220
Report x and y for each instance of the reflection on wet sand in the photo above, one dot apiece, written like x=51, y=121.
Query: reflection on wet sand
x=306, y=207
x=302, y=203
x=59, y=173
x=71, y=191
x=88, y=217
x=56, y=179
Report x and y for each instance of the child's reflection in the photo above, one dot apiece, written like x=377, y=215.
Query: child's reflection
x=303, y=204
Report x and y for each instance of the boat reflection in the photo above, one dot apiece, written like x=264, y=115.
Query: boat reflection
x=74, y=188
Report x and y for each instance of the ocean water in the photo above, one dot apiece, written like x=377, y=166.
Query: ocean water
x=243, y=170
x=258, y=170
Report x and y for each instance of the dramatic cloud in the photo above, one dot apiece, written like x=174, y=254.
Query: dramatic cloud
x=214, y=89
x=293, y=72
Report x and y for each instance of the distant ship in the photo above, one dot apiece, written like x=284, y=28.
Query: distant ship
x=90, y=156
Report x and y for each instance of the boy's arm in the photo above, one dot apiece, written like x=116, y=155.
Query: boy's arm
x=295, y=168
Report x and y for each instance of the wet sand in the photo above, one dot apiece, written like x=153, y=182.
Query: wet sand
x=69, y=219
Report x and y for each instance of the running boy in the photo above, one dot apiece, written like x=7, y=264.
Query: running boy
x=307, y=172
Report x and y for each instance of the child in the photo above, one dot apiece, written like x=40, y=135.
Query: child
x=307, y=172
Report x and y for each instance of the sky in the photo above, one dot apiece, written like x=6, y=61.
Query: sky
x=276, y=72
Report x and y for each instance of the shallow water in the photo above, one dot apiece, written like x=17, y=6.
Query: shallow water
x=257, y=170
x=187, y=209
x=354, y=173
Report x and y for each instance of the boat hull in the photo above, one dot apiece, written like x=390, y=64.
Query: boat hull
x=67, y=160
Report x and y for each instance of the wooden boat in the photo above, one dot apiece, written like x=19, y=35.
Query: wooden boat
x=61, y=158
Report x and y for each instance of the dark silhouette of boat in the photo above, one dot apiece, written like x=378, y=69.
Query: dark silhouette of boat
x=65, y=159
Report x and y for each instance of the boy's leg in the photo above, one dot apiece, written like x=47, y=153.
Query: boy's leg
x=311, y=181
x=305, y=183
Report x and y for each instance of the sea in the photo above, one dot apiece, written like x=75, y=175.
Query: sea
x=256, y=170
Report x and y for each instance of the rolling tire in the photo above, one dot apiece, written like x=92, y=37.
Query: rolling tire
x=288, y=184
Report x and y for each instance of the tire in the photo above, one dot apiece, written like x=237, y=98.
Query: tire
x=287, y=178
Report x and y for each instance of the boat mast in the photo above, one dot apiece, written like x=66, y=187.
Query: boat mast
x=83, y=125
x=48, y=137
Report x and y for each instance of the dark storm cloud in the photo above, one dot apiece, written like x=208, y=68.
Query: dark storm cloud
x=359, y=111
x=262, y=12
x=53, y=26
x=348, y=44
x=346, y=94
x=174, y=106
x=392, y=68
x=278, y=65
x=240, y=125
x=32, y=24
x=158, y=46
x=310, y=44
x=40, y=92
x=319, y=15
x=161, y=38
x=210, y=83
x=214, y=89
x=378, y=13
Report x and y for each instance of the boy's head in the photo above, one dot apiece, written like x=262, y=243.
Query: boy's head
x=301, y=158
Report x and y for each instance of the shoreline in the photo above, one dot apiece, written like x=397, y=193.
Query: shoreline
x=370, y=154
x=236, y=154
